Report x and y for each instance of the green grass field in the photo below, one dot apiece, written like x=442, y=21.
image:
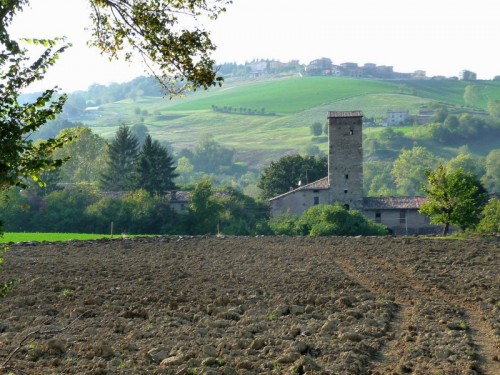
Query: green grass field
x=50, y=237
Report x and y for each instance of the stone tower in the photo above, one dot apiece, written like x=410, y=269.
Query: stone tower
x=345, y=158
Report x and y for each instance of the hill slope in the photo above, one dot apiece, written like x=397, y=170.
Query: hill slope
x=281, y=110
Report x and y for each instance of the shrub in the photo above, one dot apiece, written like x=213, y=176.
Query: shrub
x=284, y=224
x=334, y=220
x=490, y=221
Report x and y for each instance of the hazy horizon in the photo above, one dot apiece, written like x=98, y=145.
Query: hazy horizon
x=413, y=35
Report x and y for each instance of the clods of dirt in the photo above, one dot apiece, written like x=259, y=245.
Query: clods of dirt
x=248, y=305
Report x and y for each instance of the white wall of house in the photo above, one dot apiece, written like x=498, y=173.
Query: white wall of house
x=298, y=201
x=401, y=221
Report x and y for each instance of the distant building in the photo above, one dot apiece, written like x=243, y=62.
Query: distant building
x=419, y=74
x=179, y=200
x=258, y=68
x=384, y=71
x=320, y=67
x=369, y=70
x=350, y=69
x=424, y=116
x=397, y=117
x=466, y=75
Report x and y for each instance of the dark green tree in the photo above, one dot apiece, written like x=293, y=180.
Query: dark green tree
x=316, y=129
x=490, y=218
x=140, y=131
x=154, y=170
x=491, y=179
x=210, y=156
x=453, y=197
x=286, y=173
x=122, y=155
x=240, y=213
x=64, y=210
x=15, y=207
x=204, y=210
x=440, y=114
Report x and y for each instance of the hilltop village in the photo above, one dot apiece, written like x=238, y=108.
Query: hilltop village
x=325, y=67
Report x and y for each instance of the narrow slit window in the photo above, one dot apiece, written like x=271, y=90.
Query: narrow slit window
x=402, y=217
x=346, y=176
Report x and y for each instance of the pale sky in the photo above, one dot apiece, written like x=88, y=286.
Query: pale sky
x=439, y=37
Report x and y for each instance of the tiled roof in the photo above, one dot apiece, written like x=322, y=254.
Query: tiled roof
x=318, y=184
x=178, y=196
x=321, y=184
x=388, y=203
x=345, y=114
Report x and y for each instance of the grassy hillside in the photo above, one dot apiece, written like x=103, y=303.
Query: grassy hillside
x=296, y=103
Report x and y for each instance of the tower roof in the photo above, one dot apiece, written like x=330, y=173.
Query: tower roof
x=345, y=114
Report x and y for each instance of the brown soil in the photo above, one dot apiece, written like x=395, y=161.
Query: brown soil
x=276, y=305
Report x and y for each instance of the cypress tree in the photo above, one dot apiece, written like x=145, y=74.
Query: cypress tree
x=155, y=170
x=122, y=155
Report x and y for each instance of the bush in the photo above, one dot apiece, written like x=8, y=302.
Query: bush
x=284, y=224
x=14, y=210
x=137, y=212
x=490, y=221
x=326, y=220
x=64, y=210
x=334, y=220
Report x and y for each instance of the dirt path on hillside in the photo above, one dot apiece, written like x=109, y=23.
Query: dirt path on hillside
x=249, y=305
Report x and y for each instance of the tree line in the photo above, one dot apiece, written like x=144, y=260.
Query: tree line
x=242, y=110
x=143, y=171
x=82, y=208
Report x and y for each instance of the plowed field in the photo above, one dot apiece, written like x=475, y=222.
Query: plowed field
x=248, y=305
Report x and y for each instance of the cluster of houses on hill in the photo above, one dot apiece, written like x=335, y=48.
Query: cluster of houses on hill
x=325, y=67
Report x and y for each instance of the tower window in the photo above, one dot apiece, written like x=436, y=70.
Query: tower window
x=346, y=176
x=351, y=132
x=345, y=191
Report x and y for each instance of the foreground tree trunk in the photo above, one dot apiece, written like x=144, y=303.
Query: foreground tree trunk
x=445, y=230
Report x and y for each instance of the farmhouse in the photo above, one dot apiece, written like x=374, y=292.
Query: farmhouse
x=344, y=183
x=397, y=117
